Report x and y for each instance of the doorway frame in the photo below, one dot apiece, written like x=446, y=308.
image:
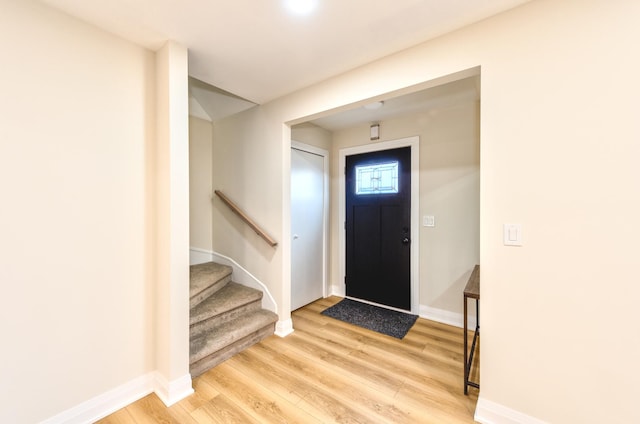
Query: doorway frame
x=325, y=210
x=414, y=143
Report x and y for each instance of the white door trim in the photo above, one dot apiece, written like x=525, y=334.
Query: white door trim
x=414, y=143
x=325, y=210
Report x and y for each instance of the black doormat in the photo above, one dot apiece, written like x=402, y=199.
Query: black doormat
x=392, y=323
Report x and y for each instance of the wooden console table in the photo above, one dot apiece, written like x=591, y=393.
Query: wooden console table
x=472, y=290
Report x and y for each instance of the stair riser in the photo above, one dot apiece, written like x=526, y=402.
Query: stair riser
x=197, y=327
x=218, y=285
x=227, y=352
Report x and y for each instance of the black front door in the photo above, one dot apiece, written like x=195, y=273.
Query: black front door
x=378, y=216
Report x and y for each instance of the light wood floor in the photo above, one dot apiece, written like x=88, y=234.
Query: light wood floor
x=327, y=371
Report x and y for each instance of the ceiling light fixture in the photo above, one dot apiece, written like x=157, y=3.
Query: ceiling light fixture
x=301, y=7
x=374, y=105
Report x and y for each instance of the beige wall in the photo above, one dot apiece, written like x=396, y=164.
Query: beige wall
x=247, y=169
x=449, y=190
x=200, y=181
x=558, y=155
x=76, y=180
x=312, y=135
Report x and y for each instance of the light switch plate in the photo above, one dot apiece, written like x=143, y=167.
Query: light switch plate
x=428, y=221
x=512, y=234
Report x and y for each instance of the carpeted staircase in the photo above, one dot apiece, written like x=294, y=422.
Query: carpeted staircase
x=225, y=317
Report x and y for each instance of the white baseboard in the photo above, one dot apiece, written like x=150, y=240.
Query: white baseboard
x=109, y=402
x=488, y=412
x=446, y=317
x=106, y=403
x=173, y=391
x=240, y=274
x=284, y=328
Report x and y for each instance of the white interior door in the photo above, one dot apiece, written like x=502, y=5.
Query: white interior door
x=307, y=227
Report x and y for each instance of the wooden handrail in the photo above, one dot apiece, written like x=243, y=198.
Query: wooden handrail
x=246, y=218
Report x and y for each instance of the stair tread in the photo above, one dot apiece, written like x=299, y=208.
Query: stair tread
x=204, y=275
x=210, y=361
x=217, y=337
x=232, y=296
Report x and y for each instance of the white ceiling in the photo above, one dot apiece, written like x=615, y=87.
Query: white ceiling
x=258, y=51
x=432, y=99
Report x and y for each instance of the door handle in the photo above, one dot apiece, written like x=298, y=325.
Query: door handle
x=405, y=240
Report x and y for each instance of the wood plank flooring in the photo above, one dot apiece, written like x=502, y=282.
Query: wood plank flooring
x=328, y=371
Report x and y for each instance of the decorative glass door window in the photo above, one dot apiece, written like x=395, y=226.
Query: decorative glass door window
x=379, y=178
